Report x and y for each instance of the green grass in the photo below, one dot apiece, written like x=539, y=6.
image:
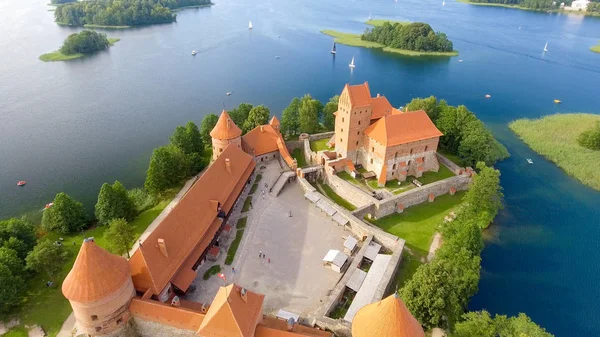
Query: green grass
x=320, y=145
x=211, y=271
x=247, y=204
x=253, y=189
x=336, y=198
x=58, y=56
x=341, y=308
x=377, y=23
x=431, y=177
x=355, y=40
x=17, y=332
x=241, y=223
x=595, y=49
x=258, y=178
x=418, y=223
x=347, y=177
x=408, y=267
x=299, y=156
x=47, y=307
x=555, y=137
x=234, y=246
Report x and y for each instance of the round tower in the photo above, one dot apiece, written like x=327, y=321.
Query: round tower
x=225, y=133
x=388, y=317
x=99, y=288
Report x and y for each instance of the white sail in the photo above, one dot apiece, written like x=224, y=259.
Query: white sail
x=352, y=63
x=250, y=25
x=444, y=3
x=369, y=16
x=546, y=46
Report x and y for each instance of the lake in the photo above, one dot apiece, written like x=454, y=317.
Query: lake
x=71, y=126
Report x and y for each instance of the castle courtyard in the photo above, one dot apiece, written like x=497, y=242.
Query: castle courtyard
x=295, y=279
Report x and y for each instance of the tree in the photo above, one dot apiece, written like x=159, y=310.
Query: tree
x=484, y=196
x=120, y=236
x=113, y=202
x=309, y=112
x=188, y=138
x=430, y=105
x=9, y=258
x=85, y=42
x=259, y=115
x=289, y=117
x=476, y=324
x=481, y=324
x=416, y=36
x=48, y=258
x=168, y=167
x=66, y=215
x=240, y=114
x=11, y=286
x=328, y=110
x=17, y=234
x=590, y=139
x=208, y=123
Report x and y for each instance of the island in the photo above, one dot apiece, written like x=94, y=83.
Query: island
x=596, y=48
x=569, y=6
x=79, y=45
x=405, y=38
x=557, y=137
x=121, y=14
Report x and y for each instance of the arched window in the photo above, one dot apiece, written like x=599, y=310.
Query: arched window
x=358, y=122
x=411, y=151
x=341, y=140
x=357, y=143
x=371, y=160
x=426, y=147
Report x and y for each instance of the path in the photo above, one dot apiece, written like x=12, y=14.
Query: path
x=435, y=245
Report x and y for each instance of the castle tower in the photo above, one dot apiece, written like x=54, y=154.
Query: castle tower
x=274, y=122
x=351, y=120
x=388, y=317
x=225, y=133
x=99, y=288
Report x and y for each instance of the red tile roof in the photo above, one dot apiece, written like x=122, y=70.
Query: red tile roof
x=225, y=128
x=360, y=95
x=386, y=318
x=380, y=107
x=264, y=139
x=274, y=121
x=403, y=128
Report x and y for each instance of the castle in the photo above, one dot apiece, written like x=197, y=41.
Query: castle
x=112, y=296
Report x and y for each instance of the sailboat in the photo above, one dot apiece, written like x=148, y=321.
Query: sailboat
x=369, y=16
x=546, y=47
x=333, y=49
x=250, y=25
x=443, y=2
x=351, y=65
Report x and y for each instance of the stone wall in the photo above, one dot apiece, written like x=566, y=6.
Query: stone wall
x=294, y=144
x=266, y=157
x=318, y=136
x=152, y=329
x=450, y=164
x=361, y=212
x=346, y=190
x=420, y=194
x=308, y=153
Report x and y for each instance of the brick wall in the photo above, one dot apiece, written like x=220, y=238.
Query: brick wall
x=346, y=190
x=318, y=136
x=450, y=164
x=294, y=144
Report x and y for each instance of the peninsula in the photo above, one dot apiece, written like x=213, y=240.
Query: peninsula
x=79, y=45
x=596, y=48
x=555, y=137
x=405, y=38
x=121, y=14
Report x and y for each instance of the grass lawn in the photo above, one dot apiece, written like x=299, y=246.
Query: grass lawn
x=336, y=198
x=320, y=145
x=241, y=223
x=431, y=177
x=408, y=267
x=418, y=223
x=299, y=156
x=58, y=56
x=555, y=137
x=347, y=177
x=596, y=48
x=47, y=306
x=234, y=246
x=253, y=189
x=211, y=271
x=247, y=204
x=453, y=157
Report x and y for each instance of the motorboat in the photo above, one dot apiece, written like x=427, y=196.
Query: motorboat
x=228, y=93
x=529, y=161
x=49, y=205
x=193, y=52
x=557, y=101
x=277, y=57
x=21, y=183
x=250, y=25
x=488, y=96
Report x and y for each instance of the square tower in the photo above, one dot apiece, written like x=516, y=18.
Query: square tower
x=351, y=120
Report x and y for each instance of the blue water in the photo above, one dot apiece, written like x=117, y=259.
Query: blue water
x=72, y=126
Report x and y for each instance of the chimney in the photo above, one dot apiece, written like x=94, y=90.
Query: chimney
x=244, y=294
x=290, y=324
x=377, y=95
x=228, y=165
x=407, y=109
x=163, y=247
x=261, y=129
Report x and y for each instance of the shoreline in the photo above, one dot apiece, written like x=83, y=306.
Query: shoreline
x=57, y=56
x=545, y=11
x=354, y=40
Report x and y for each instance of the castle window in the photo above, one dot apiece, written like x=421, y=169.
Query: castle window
x=119, y=321
x=357, y=143
x=394, y=167
x=358, y=132
x=220, y=150
x=358, y=122
x=98, y=329
x=395, y=155
x=94, y=317
x=426, y=147
x=342, y=130
x=372, y=148
x=411, y=151
x=371, y=160
x=342, y=119
x=341, y=140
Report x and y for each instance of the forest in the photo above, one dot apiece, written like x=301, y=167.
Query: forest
x=121, y=12
x=593, y=7
x=416, y=36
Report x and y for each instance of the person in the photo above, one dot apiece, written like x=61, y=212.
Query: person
x=260, y=254
x=269, y=260
x=233, y=270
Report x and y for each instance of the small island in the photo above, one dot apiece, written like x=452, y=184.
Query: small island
x=572, y=141
x=121, y=14
x=405, y=38
x=596, y=48
x=79, y=45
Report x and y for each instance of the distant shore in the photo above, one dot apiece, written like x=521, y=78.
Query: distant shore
x=58, y=56
x=356, y=41
x=528, y=9
x=596, y=48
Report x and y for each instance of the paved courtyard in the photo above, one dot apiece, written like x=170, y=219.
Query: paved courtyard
x=295, y=279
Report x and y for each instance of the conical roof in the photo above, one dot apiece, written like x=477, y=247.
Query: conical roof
x=388, y=317
x=274, y=121
x=95, y=274
x=225, y=128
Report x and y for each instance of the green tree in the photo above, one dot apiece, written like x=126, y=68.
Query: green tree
x=481, y=324
x=328, y=112
x=113, y=202
x=84, y=42
x=9, y=258
x=309, y=112
x=430, y=105
x=188, y=138
x=476, y=324
x=48, y=258
x=66, y=215
x=259, y=115
x=289, y=117
x=17, y=234
x=168, y=167
x=485, y=193
x=120, y=236
x=11, y=286
x=240, y=114
x=208, y=123
x=590, y=139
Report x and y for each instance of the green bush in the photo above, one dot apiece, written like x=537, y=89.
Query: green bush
x=211, y=271
x=247, y=204
x=234, y=246
x=253, y=189
x=590, y=139
x=241, y=223
x=141, y=199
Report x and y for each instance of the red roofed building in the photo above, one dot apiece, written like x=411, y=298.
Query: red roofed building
x=389, y=142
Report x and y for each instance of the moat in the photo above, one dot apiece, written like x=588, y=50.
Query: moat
x=72, y=126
